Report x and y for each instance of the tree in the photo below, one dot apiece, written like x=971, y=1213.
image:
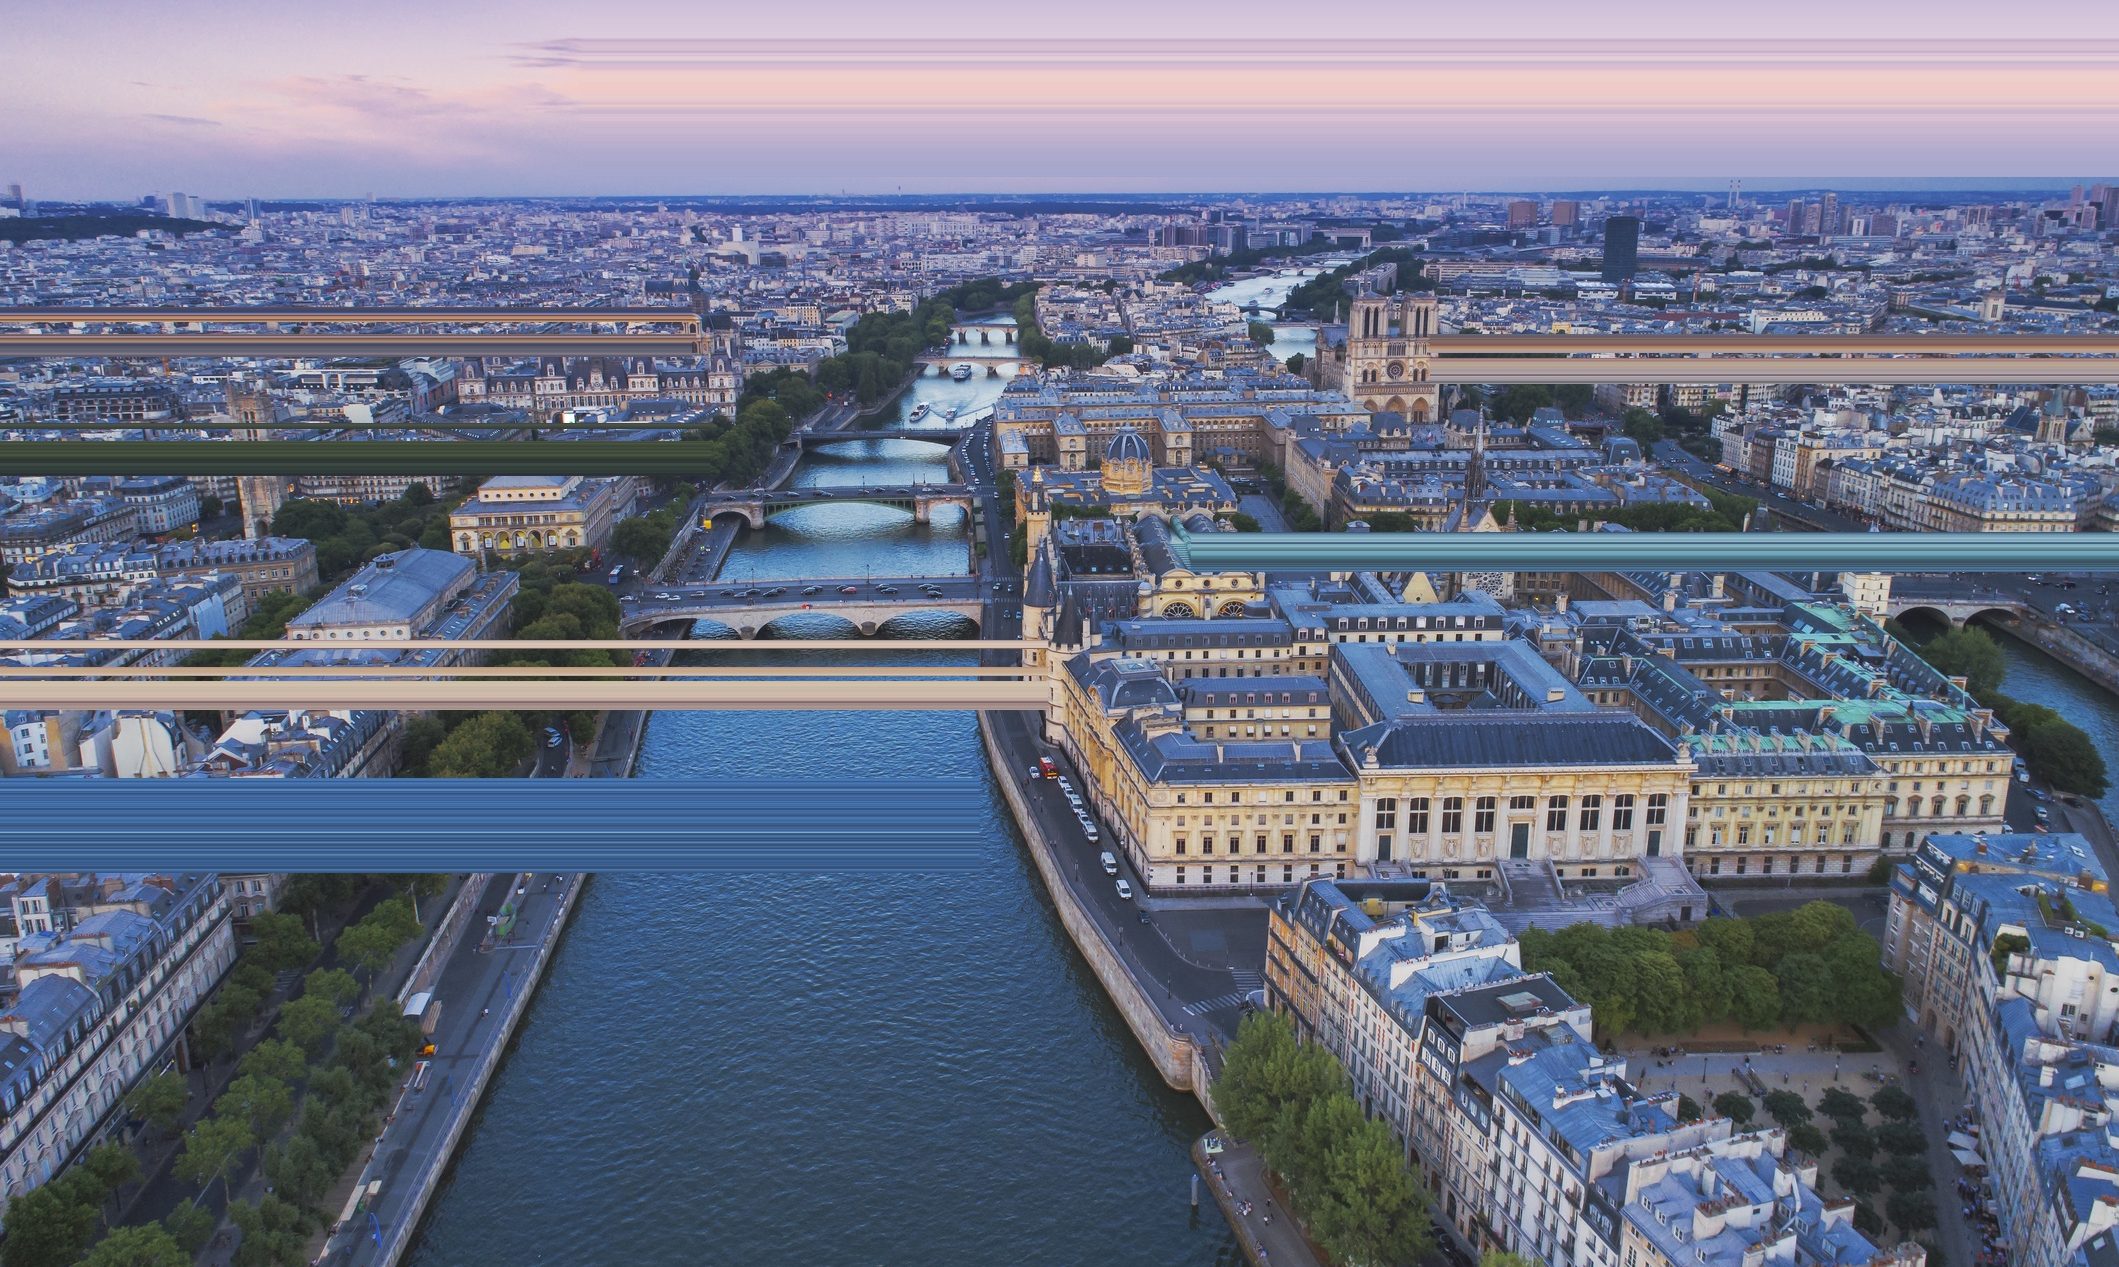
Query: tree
x=1901, y=1138
x=160, y=1100
x=1688, y=1109
x=1806, y=988
x=1261, y=333
x=488, y=745
x=210, y=1147
x=282, y=942
x=274, y=1233
x=1370, y=1208
x=335, y=984
x=299, y=1170
x=46, y=1227
x=1911, y=1211
x=2062, y=755
x=111, y=1166
x=275, y=1058
x=1707, y=985
x=1969, y=653
x=1857, y=1175
x=150, y=1245
x=1841, y=1105
x=1807, y=1138
x=263, y=1103
x=1660, y=1002
x=1643, y=428
x=1754, y=997
x=1895, y=1103
x=1867, y=1221
x=308, y=1022
x=1730, y=939
x=1296, y=362
x=370, y=944
x=1905, y=1171
x=1786, y=1107
x=1734, y=1106
x=1854, y=1139
x=189, y=1225
x=1261, y=1072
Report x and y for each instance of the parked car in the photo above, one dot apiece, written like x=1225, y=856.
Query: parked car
x=1125, y=890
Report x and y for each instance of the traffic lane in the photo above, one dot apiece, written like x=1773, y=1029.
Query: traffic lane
x=473, y=979
x=1170, y=980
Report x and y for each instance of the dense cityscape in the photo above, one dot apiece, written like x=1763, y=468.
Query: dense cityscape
x=1580, y=918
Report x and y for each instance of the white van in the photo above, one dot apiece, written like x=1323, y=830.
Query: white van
x=1110, y=863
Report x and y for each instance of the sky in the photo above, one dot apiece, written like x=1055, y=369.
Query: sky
x=233, y=98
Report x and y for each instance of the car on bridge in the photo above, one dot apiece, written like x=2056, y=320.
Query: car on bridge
x=849, y=589
x=811, y=591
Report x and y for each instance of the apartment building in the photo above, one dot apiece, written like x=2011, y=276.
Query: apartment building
x=107, y=972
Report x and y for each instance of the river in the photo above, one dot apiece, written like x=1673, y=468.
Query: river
x=2037, y=678
x=1269, y=291
x=831, y=1069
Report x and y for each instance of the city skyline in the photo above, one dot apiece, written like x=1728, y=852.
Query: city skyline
x=529, y=101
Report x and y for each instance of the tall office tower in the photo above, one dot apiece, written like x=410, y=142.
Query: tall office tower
x=1883, y=225
x=1522, y=214
x=1622, y=247
x=1795, y=215
x=1813, y=220
x=1736, y=194
x=2108, y=216
x=14, y=196
x=250, y=209
x=1828, y=215
x=1566, y=213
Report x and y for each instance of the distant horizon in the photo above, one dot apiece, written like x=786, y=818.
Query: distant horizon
x=1788, y=185
x=541, y=98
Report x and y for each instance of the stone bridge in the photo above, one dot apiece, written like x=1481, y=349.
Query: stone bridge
x=948, y=437
x=982, y=335
x=756, y=505
x=749, y=608
x=1953, y=603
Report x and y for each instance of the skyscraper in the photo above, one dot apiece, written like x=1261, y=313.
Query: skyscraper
x=1522, y=214
x=1828, y=222
x=1566, y=212
x=1622, y=247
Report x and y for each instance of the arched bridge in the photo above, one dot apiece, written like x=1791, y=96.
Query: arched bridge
x=756, y=505
x=942, y=362
x=946, y=436
x=1953, y=601
x=974, y=334
x=864, y=602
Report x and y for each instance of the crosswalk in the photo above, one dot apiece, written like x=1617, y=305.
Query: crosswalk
x=1245, y=983
x=1215, y=1004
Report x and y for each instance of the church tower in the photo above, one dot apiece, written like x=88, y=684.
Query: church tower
x=255, y=412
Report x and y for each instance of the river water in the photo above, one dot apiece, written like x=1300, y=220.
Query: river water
x=2037, y=678
x=1269, y=291
x=837, y=1069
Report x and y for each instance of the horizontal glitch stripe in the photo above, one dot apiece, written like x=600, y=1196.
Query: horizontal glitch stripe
x=432, y=825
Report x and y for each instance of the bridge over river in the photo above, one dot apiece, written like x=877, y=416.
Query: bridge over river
x=864, y=602
x=756, y=505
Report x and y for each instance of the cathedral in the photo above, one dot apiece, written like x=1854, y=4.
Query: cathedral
x=1387, y=361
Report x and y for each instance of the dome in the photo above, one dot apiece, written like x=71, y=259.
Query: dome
x=1127, y=446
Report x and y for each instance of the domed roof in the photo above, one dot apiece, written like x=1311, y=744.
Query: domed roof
x=1127, y=446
